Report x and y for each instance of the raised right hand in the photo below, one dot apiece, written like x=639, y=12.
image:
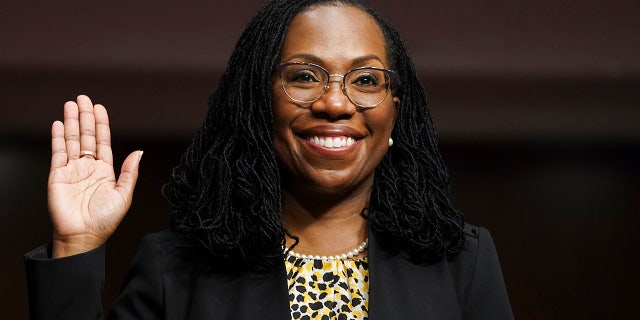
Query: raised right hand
x=86, y=202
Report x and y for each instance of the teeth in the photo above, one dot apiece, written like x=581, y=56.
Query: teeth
x=328, y=143
x=332, y=142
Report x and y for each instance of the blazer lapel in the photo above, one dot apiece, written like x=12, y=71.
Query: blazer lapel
x=250, y=295
x=401, y=289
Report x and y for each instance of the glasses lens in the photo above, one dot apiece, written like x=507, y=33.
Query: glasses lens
x=367, y=87
x=303, y=83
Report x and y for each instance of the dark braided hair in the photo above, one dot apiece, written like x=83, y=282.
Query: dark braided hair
x=226, y=192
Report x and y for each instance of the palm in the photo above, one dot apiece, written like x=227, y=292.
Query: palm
x=86, y=202
x=84, y=198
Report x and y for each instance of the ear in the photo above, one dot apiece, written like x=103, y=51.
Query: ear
x=396, y=108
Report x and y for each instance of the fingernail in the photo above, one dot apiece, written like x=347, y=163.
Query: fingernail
x=140, y=155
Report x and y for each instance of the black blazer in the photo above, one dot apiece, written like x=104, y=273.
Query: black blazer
x=168, y=281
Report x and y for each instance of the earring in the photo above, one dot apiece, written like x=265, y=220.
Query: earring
x=390, y=141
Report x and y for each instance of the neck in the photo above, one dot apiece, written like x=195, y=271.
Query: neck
x=325, y=225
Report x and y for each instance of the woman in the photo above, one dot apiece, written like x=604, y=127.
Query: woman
x=313, y=190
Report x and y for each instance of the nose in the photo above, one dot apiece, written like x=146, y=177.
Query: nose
x=334, y=103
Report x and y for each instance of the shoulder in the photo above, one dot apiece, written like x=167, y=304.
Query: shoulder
x=476, y=264
x=166, y=245
x=478, y=247
x=173, y=252
x=480, y=281
x=469, y=282
x=477, y=241
x=163, y=253
x=477, y=238
x=474, y=233
x=165, y=239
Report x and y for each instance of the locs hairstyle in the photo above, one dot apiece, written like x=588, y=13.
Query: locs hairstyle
x=226, y=192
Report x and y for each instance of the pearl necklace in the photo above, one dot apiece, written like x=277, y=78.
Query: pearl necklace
x=353, y=253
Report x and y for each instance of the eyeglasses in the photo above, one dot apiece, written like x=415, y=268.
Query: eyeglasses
x=305, y=83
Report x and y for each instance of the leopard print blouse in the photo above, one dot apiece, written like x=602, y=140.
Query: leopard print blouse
x=328, y=289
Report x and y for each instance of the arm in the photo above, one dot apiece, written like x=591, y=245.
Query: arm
x=71, y=287
x=487, y=295
x=65, y=288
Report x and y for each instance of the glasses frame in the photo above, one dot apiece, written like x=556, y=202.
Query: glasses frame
x=393, y=78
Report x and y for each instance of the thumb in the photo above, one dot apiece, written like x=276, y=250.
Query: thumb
x=129, y=175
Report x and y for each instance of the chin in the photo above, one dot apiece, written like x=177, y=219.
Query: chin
x=343, y=185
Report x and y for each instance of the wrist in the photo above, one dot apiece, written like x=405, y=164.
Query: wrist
x=72, y=245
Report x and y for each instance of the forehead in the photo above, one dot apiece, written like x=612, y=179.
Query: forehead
x=336, y=34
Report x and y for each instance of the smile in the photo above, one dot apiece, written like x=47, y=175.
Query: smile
x=332, y=142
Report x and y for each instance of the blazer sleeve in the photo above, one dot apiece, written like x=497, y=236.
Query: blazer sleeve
x=64, y=288
x=71, y=287
x=486, y=294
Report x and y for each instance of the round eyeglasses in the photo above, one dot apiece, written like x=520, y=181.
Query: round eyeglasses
x=306, y=82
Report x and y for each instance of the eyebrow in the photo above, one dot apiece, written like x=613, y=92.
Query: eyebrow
x=317, y=60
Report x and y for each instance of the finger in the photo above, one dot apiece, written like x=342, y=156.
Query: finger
x=71, y=130
x=87, y=124
x=129, y=175
x=103, y=134
x=58, y=146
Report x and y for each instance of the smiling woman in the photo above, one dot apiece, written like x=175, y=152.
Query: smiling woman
x=297, y=152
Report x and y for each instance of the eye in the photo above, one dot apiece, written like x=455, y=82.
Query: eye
x=365, y=79
x=302, y=76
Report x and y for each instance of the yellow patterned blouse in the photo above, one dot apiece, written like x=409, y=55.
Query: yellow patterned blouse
x=328, y=289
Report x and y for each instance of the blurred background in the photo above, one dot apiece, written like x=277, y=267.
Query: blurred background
x=536, y=104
